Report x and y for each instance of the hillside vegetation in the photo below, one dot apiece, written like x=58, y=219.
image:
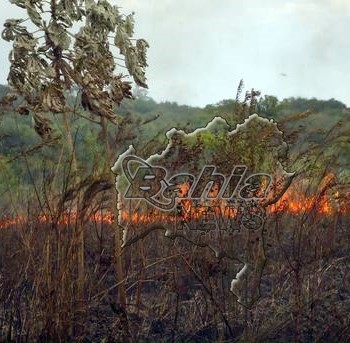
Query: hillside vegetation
x=310, y=126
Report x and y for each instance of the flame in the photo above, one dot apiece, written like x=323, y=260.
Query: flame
x=64, y=219
x=294, y=201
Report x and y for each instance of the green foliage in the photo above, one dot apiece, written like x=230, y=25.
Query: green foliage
x=311, y=144
x=268, y=106
x=8, y=177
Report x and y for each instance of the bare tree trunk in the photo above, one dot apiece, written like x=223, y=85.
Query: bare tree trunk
x=79, y=232
x=117, y=228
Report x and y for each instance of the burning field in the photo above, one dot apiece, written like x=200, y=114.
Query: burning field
x=201, y=254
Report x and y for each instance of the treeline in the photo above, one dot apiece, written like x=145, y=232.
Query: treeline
x=310, y=126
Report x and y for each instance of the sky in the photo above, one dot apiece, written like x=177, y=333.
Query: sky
x=200, y=49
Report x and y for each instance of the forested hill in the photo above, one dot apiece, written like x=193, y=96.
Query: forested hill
x=311, y=126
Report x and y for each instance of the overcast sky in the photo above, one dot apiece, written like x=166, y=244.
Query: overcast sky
x=200, y=49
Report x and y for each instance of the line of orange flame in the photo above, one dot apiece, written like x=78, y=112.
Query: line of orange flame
x=292, y=202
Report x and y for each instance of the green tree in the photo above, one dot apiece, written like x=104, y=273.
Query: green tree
x=268, y=106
